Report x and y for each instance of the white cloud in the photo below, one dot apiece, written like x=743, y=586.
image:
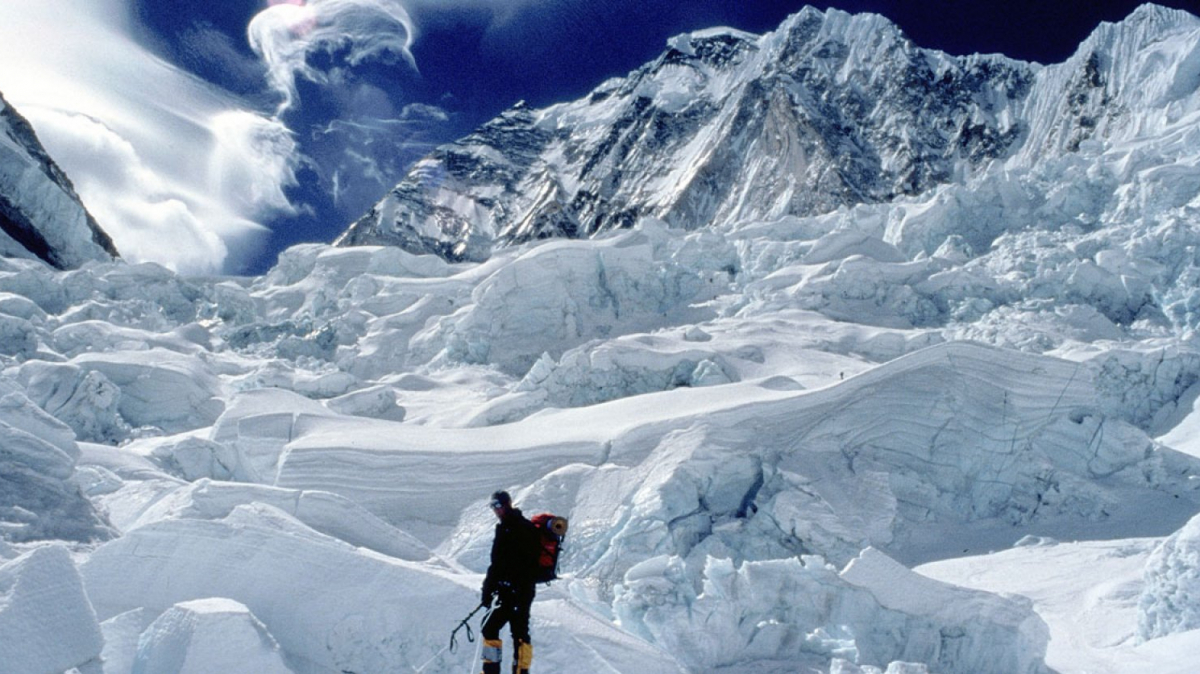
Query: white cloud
x=423, y=112
x=286, y=33
x=140, y=210
x=252, y=159
x=173, y=169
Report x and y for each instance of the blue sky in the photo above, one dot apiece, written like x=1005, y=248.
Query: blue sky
x=245, y=126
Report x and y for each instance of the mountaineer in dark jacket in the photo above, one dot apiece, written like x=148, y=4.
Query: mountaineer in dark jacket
x=510, y=581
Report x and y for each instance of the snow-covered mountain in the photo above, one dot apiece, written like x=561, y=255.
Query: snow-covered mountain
x=40, y=214
x=946, y=420
x=828, y=111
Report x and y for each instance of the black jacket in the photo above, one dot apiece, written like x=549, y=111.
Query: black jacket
x=514, y=554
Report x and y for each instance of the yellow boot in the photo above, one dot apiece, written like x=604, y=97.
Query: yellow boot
x=523, y=657
x=493, y=649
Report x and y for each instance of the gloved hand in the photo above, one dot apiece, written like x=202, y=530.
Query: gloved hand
x=487, y=594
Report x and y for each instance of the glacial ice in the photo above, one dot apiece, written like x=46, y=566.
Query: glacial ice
x=874, y=439
x=840, y=666
x=85, y=400
x=565, y=293
x=378, y=402
x=206, y=635
x=257, y=426
x=121, y=635
x=152, y=388
x=17, y=336
x=1170, y=600
x=791, y=611
x=46, y=620
x=718, y=442
x=38, y=500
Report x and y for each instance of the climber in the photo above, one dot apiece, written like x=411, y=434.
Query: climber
x=510, y=582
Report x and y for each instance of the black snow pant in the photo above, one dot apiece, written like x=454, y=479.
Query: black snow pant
x=513, y=609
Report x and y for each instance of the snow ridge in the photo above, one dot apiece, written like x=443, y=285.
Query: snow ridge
x=829, y=110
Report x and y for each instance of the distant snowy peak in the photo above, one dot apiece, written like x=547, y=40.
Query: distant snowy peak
x=1132, y=79
x=829, y=110
x=693, y=44
x=40, y=214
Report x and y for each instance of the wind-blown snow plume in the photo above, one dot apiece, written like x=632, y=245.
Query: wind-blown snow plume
x=251, y=162
x=157, y=155
x=357, y=31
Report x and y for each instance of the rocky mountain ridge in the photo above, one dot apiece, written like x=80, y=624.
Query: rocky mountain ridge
x=40, y=214
x=828, y=111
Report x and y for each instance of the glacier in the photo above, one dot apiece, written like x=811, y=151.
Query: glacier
x=931, y=407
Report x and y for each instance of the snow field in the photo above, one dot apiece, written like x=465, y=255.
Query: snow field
x=1093, y=595
x=329, y=606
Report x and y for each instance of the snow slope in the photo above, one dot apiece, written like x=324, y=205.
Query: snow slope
x=953, y=431
x=1091, y=594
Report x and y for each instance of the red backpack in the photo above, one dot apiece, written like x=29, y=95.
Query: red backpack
x=551, y=531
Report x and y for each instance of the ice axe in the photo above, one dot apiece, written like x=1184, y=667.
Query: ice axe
x=466, y=623
x=453, y=641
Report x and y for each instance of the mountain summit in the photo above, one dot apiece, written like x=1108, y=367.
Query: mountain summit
x=829, y=110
